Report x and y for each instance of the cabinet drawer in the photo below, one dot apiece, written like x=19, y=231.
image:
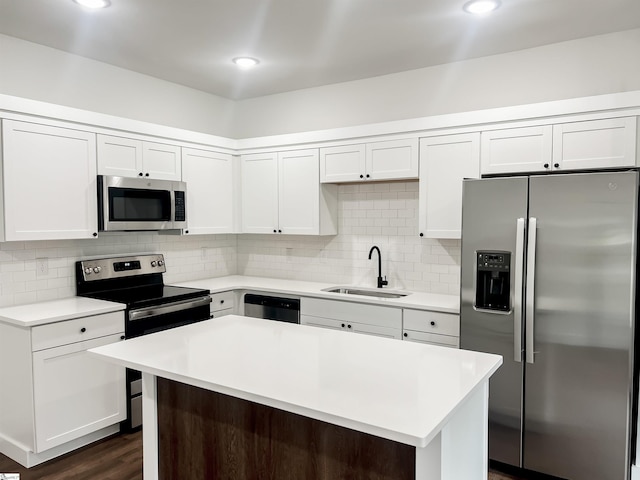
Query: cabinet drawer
x=76, y=330
x=222, y=301
x=430, y=338
x=222, y=313
x=432, y=322
x=352, y=312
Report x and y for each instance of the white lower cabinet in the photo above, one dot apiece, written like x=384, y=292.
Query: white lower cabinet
x=74, y=393
x=351, y=316
x=436, y=328
x=223, y=303
x=59, y=397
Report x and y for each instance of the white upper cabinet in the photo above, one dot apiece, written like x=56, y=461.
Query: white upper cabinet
x=49, y=182
x=281, y=193
x=595, y=144
x=444, y=162
x=126, y=157
x=512, y=150
x=211, y=191
x=590, y=144
x=260, y=193
x=387, y=160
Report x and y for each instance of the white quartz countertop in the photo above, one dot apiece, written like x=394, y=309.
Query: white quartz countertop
x=417, y=300
x=402, y=391
x=52, y=311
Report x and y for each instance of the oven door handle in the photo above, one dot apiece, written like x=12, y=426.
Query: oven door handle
x=149, y=312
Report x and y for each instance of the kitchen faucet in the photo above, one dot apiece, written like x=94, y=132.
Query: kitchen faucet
x=381, y=282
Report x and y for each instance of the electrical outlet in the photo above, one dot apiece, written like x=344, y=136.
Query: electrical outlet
x=42, y=266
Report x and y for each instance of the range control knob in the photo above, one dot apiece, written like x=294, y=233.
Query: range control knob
x=160, y=263
x=97, y=269
x=153, y=263
x=88, y=270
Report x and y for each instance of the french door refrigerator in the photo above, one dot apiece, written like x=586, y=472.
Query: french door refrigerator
x=548, y=275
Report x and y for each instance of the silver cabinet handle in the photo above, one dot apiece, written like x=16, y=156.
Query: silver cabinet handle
x=531, y=281
x=517, y=291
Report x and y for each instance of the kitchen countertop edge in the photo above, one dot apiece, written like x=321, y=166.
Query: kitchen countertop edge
x=416, y=300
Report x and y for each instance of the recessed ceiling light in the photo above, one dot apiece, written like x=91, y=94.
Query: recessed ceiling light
x=481, y=7
x=245, y=62
x=93, y=3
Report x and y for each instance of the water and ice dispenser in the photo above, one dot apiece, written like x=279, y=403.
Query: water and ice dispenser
x=493, y=288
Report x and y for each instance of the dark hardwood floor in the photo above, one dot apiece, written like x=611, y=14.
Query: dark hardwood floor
x=115, y=458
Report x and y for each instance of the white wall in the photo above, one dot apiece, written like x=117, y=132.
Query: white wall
x=382, y=214
x=41, y=73
x=590, y=66
x=188, y=258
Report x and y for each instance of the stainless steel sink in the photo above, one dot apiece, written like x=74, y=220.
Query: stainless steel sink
x=379, y=293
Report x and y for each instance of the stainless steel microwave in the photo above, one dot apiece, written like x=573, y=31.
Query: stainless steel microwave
x=140, y=204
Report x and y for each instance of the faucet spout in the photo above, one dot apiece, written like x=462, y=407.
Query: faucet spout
x=381, y=282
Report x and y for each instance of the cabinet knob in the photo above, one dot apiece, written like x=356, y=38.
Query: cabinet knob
x=95, y=234
x=348, y=326
x=556, y=165
x=279, y=231
x=421, y=234
x=274, y=231
x=121, y=337
x=146, y=174
x=361, y=176
x=221, y=302
x=140, y=174
x=433, y=324
x=405, y=334
x=82, y=330
x=367, y=175
x=546, y=165
x=186, y=231
x=343, y=325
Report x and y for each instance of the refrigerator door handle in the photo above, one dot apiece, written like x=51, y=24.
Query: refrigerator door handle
x=531, y=280
x=517, y=296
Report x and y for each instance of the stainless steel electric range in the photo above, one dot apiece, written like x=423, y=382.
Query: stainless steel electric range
x=152, y=306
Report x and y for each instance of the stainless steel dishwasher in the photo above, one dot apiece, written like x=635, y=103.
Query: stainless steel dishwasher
x=272, y=308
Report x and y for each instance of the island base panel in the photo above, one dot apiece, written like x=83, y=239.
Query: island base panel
x=203, y=434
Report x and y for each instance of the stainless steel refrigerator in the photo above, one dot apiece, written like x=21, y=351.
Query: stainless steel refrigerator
x=548, y=278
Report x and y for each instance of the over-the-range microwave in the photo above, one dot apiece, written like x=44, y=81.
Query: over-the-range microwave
x=126, y=204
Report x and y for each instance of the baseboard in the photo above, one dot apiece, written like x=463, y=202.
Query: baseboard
x=27, y=458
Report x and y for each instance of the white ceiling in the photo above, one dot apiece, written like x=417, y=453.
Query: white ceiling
x=301, y=43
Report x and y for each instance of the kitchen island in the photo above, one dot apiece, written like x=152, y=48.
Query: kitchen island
x=240, y=397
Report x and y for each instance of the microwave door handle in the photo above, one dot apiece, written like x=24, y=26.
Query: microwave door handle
x=531, y=281
x=518, y=290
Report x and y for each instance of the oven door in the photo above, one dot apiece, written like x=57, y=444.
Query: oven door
x=139, y=204
x=144, y=321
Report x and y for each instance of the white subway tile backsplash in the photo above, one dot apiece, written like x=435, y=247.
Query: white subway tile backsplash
x=383, y=214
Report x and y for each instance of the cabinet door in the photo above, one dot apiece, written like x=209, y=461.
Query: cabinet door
x=119, y=156
x=376, y=330
x=161, y=161
x=595, y=144
x=431, y=338
x=299, y=192
x=516, y=150
x=323, y=322
x=392, y=160
x=50, y=190
x=259, y=193
x=75, y=393
x=345, y=163
x=210, y=181
x=444, y=162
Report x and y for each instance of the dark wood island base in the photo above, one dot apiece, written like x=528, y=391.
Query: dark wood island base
x=204, y=434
